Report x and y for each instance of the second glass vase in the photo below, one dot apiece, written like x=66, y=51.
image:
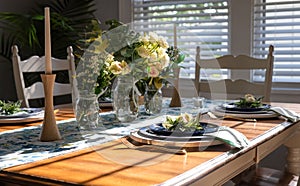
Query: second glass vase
x=125, y=100
x=153, y=100
x=87, y=111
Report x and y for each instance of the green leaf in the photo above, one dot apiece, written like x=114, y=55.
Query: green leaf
x=9, y=107
x=70, y=21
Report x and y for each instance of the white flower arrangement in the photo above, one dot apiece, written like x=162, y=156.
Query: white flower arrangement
x=184, y=122
x=146, y=56
x=249, y=101
x=149, y=51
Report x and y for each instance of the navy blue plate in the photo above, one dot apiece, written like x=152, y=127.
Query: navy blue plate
x=233, y=107
x=160, y=130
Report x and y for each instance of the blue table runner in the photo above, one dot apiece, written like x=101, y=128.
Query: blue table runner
x=22, y=146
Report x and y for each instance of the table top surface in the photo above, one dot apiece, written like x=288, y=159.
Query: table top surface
x=113, y=163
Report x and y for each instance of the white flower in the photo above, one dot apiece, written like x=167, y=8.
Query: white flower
x=185, y=118
x=144, y=39
x=160, y=52
x=143, y=51
x=153, y=57
x=250, y=98
x=109, y=58
x=163, y=43
x=125, y=67
x=116, y=67
x=165, y=60
x=153, y=37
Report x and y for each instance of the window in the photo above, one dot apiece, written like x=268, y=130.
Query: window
x=210, y=24
x=277, y=22
x=193, y=22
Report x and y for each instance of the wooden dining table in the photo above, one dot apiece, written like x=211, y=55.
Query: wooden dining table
x=116, y=163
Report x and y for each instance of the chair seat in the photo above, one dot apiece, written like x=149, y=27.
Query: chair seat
x=263, y=176
x=272, y=177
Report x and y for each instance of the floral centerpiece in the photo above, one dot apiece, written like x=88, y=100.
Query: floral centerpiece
x=149, y=59
x=124, y=54
x=121, y=51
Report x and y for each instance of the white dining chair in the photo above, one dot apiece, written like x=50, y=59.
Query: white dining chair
x=228, y=88
x=36, y=90
x=214, y=86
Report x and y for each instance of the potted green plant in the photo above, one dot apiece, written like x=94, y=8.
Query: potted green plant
x=70, y=21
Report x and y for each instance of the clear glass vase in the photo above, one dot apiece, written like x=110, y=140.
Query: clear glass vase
x=87, y=111
x=153, y=100
x=125, y=99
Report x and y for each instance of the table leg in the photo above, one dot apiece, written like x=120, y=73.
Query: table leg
x=293, y=158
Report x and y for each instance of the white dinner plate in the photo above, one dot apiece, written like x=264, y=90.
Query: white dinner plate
x=25, y=112
x=26, y=115
x=221, y=109
x=218, y=111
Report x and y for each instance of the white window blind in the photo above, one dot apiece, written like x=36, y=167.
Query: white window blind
x=277, y=22
x=201, y=23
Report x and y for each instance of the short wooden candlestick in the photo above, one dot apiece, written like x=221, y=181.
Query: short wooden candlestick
x=176, y=101
x=50, y=131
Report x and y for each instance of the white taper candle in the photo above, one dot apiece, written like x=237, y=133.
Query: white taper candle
x=175, y=36
x=48, y=63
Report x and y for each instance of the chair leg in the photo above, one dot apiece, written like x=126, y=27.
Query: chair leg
x=293, y=160
x=262, y=176
x=267, y=176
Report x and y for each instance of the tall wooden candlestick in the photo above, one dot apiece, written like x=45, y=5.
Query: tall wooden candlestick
x=50, y=131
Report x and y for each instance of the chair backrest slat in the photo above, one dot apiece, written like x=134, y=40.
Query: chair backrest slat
x=232, y=89
x=37, y=64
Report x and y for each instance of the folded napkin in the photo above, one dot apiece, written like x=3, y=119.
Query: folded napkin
x=231, y=136
x=288, y=114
